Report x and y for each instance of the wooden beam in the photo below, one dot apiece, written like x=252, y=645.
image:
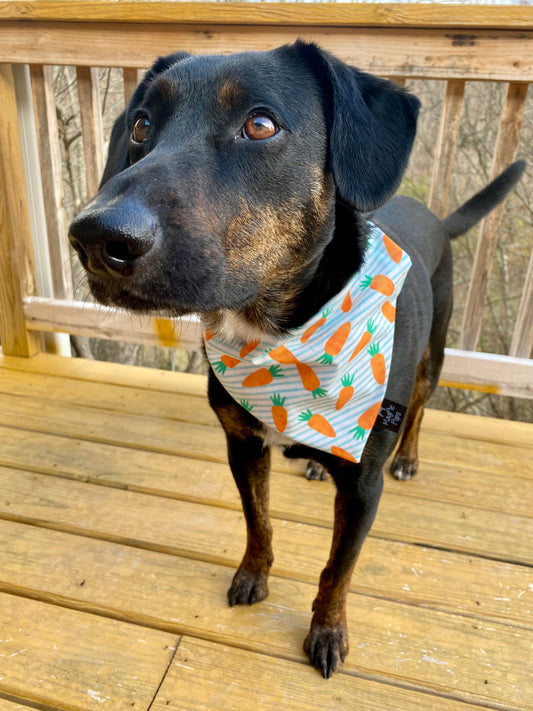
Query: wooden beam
x=487, y=372
x=88, y=319
x=16, y=253
x=255, y=13
x=488, y=55
x=130, y=78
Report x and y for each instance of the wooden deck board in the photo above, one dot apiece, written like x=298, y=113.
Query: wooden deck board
x=118, y=514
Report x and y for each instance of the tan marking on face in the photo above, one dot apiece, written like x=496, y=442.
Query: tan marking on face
x=228, y=95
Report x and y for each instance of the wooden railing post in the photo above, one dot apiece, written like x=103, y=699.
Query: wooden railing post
x=17, y=268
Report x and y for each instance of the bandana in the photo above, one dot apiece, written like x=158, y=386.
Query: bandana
x=324, y=383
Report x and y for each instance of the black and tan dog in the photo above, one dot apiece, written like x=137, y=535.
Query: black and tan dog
x=238, y=187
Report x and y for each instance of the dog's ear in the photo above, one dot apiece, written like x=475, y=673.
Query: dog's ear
x=118, y=156
x=371, y=126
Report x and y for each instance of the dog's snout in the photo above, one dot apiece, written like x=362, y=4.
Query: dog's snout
x=111, y=240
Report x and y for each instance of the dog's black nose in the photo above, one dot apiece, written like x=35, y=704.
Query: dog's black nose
x=110, y=240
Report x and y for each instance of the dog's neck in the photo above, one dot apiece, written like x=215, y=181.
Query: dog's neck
x=341, y=258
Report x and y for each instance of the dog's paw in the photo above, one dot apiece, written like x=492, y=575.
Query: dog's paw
x=247, y=588
x=326, y=648
x=315, y=471
x=404, y=468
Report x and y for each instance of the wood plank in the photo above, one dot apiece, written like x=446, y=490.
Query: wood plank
x=89, y=509
x=281, y=13
x=107, y=372
x=91, y=127
x=206, y=442
x=194, y=480
x=403, y=644
x=41, y=562
x=94, y=320
x=52, y=179
x=6, y=705
x=492, y=55
x=487, y=429
x=16, y=253
x=194, y=683
x=105, y=396
x=71, y=660
x=450, y=118
x=504, y=153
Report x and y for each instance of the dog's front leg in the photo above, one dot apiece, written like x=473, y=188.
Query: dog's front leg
x=250, y=464
x=356, y=503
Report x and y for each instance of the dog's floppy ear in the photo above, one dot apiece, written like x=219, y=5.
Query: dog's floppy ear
x=371, y=126
x=118, y=156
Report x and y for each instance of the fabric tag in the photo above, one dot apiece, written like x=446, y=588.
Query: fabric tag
x=391, y=415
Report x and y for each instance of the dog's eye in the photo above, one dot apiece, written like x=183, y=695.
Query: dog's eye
x=141, y=129
x=259, y=127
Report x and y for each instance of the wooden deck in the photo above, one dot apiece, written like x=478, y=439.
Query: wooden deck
x=120, y=527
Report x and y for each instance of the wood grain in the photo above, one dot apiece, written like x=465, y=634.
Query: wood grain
x=366, y=14
x=67, y=659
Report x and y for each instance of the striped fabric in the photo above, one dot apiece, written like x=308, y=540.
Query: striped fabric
x=323, y=384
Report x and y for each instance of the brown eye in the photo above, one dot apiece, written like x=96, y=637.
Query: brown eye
x=141, y=129
x=259, y=127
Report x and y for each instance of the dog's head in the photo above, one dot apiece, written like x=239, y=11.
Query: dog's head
x=223, y=177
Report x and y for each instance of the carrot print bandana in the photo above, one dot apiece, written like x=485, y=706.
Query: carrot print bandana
x=324, y=383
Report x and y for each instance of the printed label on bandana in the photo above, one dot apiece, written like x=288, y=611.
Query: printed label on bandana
x=324, y=384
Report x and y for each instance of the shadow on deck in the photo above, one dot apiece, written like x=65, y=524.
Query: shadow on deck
x=120, y=527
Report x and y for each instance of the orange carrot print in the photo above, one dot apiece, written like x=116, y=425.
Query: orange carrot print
x=395, y=252
x=279, y=413
x=249, y=347
x=366, y=421
x=261, y=377
x=338, y=452
x=335, y=343
x=306, y=335
x=379, y=283
x=309, y=378
x=346, y=392
x=317, y=423
x=225, y=362
x=377, y=363
x=347, y=302
x=389, y=311
x=209, y=334
x=365, y=338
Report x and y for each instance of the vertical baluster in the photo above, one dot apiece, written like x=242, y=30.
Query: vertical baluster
x=52, y=179
x=506, y=145
x=17, y=265
x=92, y=130
x=446, y=146
x=522, y=341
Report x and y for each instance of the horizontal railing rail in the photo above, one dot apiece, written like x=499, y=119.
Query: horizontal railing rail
x=446, y=43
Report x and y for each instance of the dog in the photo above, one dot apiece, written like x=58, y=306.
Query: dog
x=245, y=188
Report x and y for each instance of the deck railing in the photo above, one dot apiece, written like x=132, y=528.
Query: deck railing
x=449, y=43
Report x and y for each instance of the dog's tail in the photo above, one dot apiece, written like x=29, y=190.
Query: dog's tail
x=483, y=202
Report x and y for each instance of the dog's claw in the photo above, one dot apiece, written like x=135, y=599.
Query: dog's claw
x=326, y=648
x=247, y=588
